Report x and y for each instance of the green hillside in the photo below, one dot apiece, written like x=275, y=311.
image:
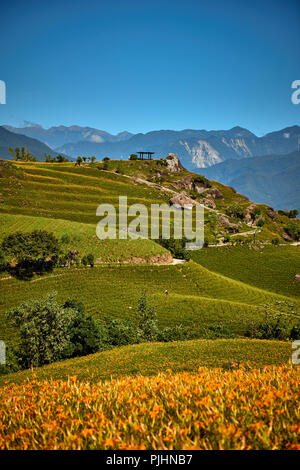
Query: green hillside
x=82, y=237
x=148, y=359
x=219, y=288
x=272, y=268
x=12, y=140
x=197, y=297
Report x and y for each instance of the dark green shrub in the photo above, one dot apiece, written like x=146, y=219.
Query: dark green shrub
x=279, y=322
x=43, y=328
x=295, y=331
x=175, y=333
x=84, y=335
x=84, y=261
x=147, y=321
x=117, y=332
x=12, y=363
x=176, y=247
x=260, y=223
x=293, y=230
x=236, y=211
x=90, y=259
x=275, y=241
x=29, y=247
x=133, y=156
x=202, y=180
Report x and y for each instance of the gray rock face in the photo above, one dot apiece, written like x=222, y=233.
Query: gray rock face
x=209, y=201
x=249, y=213
x=174, y=163
x=224, y=221
x=181, y=199
x=216, y=193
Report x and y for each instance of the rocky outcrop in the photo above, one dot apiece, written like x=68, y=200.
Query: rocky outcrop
x=297, y=277
x=286, y=237
x=181, y=199
x=189, y=183
x=184, y=183
x=249, y=213
x=216, y=193
x=209, y=201
x=271, y=213
x=174, y=163
x=225, y=222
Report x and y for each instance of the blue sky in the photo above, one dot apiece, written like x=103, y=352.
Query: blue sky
x=145, y=65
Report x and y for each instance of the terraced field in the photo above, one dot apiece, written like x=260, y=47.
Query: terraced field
x=82, y=237
x=197, y=297
x=71, y=193
x=148, y=359
x=223, y=286
x=272, y=268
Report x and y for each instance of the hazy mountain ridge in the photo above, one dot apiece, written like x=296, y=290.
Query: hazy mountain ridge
x=270, y=179
x=55, y=137
x=11, y=140
x=196, y=148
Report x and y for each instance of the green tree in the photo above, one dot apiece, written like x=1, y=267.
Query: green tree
x=147, y=321
x=293, y=214
x=29, y=247
x=133, y=156
x=43, y=328
x=78, y=161
x=90, y=259
x=84, y=335
x=236, y=211
x=15, y=153
x=293, y=230
x=84, y=261
x=61, y=159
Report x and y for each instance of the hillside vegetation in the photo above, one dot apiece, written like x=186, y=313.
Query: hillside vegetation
x=272, y=268
x=197, y=297
x=64, y=191
x=150, y=359
x=226, y=286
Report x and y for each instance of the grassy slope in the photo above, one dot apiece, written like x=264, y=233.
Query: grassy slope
x=197, y=297
x=272, y=268
x=67, y=192
x=148, y=359
x=82, y=238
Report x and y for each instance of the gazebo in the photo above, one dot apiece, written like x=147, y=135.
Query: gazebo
x=149, y=155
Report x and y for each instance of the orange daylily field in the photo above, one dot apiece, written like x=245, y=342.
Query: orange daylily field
x=240, y=408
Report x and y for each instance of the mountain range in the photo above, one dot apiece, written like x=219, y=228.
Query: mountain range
x=56, y=137
x=270, y=179
x=9, y=139
x=196, y=148
x=266, y=169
